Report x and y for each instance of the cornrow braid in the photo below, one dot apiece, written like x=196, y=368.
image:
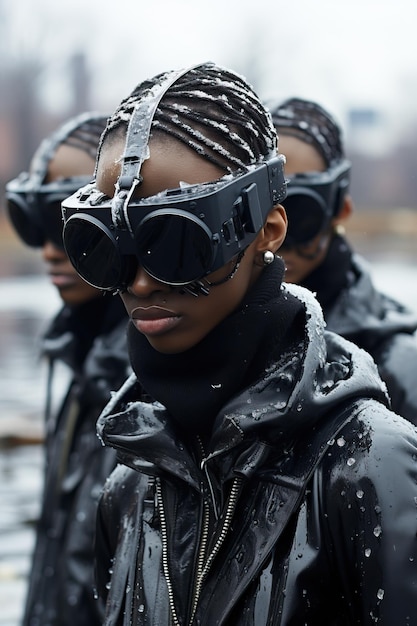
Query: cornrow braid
x=210, y=109
x=311, y=123
x=82, y=131
x=86, y=136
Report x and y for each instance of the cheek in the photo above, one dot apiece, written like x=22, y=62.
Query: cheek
x=225, y=298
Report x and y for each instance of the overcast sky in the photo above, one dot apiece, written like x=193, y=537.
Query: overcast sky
x=342, y=53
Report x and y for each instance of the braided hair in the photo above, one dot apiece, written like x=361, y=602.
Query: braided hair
x=213, y=111
x=86, y=136
x=309, y=122
x=82, y=131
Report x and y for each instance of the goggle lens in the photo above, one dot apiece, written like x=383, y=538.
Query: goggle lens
x=36, y=226
x=27, y=229
x=93, y=252
x=306, y=219
x=173, y=248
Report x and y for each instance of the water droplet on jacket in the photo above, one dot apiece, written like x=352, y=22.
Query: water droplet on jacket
x=380, y=594
x=359, y=494
x=377, y=531
x=341, y=442
x=280, y=405
x=367, y=552
x=351, y=461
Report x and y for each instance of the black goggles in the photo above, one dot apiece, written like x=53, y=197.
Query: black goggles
x=178, y=236
x=313, y=199
x=35, y=210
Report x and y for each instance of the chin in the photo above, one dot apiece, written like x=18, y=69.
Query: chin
x=165, y=346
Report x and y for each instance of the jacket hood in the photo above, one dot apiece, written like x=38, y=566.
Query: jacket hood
x=316, y=377
x=365, y=314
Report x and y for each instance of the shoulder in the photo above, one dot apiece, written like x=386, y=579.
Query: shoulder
x=396, y=358
x=376, y=448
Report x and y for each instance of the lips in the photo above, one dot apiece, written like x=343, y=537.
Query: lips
x=154, y=320
x=62, y=280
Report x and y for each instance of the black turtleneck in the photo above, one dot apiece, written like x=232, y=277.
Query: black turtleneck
x=328, y=280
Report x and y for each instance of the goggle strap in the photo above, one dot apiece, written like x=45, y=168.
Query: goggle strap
x=136, y=149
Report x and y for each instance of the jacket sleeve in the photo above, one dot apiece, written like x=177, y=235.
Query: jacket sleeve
x=369, y=498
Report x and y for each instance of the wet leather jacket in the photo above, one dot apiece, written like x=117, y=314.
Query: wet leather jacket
x=302, y=509
x=383, y=327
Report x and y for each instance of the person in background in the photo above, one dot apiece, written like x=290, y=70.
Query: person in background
x=87, y=339
x=268, y=483
x=318, y=256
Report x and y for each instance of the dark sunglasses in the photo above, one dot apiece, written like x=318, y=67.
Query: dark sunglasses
x=178, y=236
x=35, y=209
x=313, y=199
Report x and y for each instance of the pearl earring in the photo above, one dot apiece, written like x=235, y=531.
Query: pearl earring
x=268, y=257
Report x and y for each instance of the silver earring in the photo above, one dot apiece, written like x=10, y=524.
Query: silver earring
x=268, y=257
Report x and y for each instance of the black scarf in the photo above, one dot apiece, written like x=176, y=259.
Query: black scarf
x=195, y=384
x=328, y=280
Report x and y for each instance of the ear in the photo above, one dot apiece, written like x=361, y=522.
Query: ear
x=345, y=212
x=274, y=230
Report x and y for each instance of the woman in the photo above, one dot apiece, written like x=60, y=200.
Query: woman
x=268, y=483
x=318, y=256
x=85, y=347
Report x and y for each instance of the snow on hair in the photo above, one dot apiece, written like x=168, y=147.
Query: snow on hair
x=213, y=111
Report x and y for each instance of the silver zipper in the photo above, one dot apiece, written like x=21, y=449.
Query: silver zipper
x=165, y=564
x=202, y=568
x=231, y=505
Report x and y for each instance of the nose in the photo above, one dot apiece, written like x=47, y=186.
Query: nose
x=52, y=253
x=143, y=284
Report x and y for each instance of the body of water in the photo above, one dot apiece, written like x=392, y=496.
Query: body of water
x=26, y=305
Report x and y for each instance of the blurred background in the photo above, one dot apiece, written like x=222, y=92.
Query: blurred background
x=355, y=57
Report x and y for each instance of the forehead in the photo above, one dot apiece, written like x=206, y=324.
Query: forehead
x=170, y=163
x=69, y=161
x=300, y=156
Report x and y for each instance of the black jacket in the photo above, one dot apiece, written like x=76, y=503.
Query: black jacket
x=383, y=327
x=91, y=341
x=301, y=510
x=355, y=309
